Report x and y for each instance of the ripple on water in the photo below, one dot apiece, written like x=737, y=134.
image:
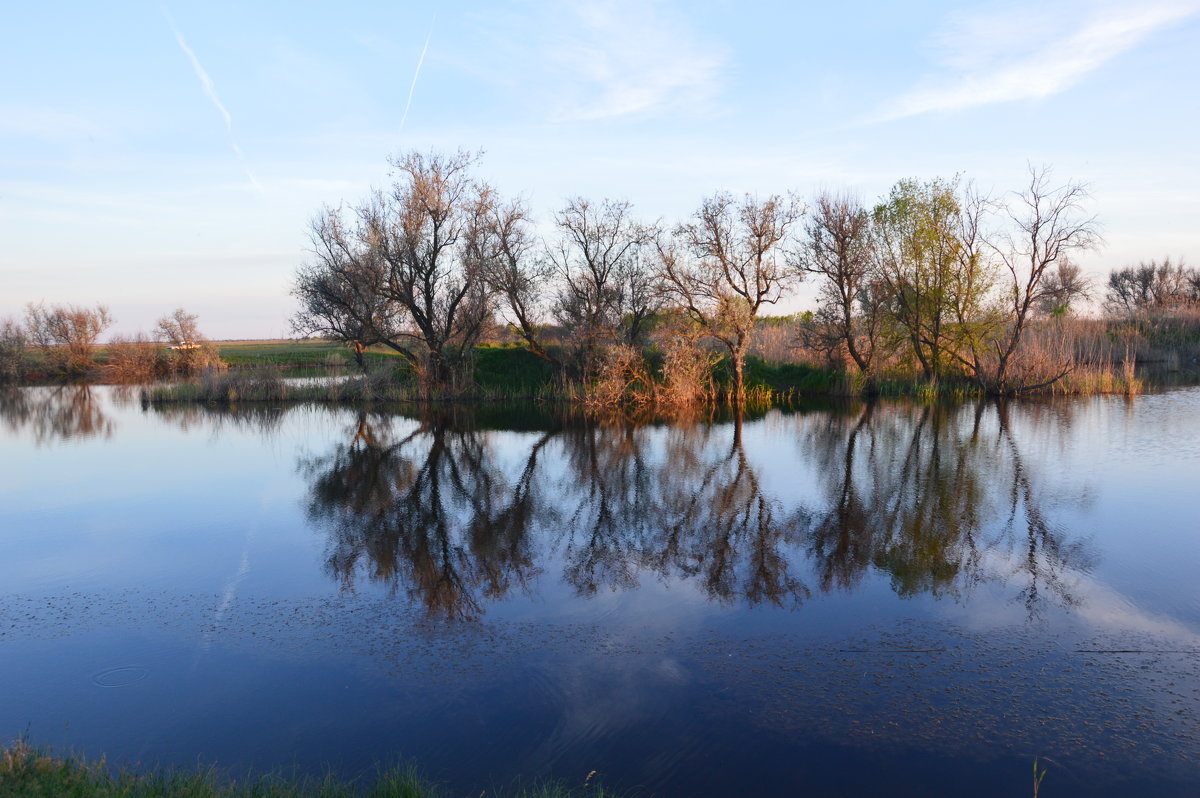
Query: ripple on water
x=120, y=677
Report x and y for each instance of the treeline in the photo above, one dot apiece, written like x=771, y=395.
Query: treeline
x=1152, y=287
x=62, y=341
x=934, y=282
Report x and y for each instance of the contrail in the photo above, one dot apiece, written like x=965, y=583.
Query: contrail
x=412, y=88
x=205, y=80
x=211, y=91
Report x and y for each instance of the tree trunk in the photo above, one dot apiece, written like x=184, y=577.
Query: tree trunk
x=738, y=392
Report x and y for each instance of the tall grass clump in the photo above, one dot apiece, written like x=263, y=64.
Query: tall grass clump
x=223, y=387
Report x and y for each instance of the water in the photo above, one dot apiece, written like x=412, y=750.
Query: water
x=836, y=600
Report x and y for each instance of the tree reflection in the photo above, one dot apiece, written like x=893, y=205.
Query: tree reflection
x=936, y=498
x=427, y=512
x=261, y=419
x=1048, y=556
x=722, y=526
x=61, y=413
x=933, y=497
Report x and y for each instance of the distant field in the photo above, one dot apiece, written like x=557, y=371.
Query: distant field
x=284, y=352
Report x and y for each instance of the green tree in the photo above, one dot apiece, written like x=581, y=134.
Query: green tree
x=933, y=263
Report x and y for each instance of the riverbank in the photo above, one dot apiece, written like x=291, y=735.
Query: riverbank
x=28, y=771
x=258, y=371
x=516, y=375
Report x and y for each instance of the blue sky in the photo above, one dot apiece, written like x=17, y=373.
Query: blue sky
x=155, y=156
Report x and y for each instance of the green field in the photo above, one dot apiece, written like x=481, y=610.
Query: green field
x=285, y=353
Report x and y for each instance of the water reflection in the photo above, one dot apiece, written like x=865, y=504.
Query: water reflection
x=60, y=413
x=426, y=512
x=938, y=499
x=688, y=507
x=263, y=420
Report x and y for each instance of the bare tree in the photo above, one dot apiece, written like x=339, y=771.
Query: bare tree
x=425, y=230
x=727, y=263
x=514, y=272
x=341, y=289
x=407, y=272
x=1048, y=227
x=180, y=328
x=1152, y=286
x=1063, y=289
x=838, y=251
x=67, y=333
x=190, y=350
x=606, y=292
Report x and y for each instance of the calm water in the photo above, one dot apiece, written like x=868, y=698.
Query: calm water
x=834, y=600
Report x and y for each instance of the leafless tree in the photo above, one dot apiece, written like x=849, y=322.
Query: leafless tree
x=1063, y=289
x=408, y=271
x=606, y=292
x=1152, y=286
x=425, y=229
x=190, y=350
x=180, y=328
x=67, y=333
x=341, y=289
x=515, y=272
x=136, y=359
x=1048, y=226
x=727, y=263
x=837, y=250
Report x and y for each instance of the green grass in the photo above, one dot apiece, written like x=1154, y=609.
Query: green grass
x=789, y=378
x=28, y=772
x=292, y=354
x=512, y=368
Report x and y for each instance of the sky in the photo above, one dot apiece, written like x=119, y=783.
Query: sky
x=159, y=156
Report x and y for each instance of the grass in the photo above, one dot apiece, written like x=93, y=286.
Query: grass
x=512, y=368
x=285, y=353
x=378, y=387
x=26, y=771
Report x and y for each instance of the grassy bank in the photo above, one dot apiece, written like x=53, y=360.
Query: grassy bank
x=507, y=374
x=27, y=772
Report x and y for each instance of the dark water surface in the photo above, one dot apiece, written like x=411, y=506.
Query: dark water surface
x=850, y=600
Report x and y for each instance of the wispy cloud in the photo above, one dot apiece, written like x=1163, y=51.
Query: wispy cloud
x=607, y=59
x=630, y=58
x=1011, y=55
x=416, y=74
x=210, y=90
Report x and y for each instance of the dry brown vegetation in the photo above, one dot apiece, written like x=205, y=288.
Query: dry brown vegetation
x=935, y=283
